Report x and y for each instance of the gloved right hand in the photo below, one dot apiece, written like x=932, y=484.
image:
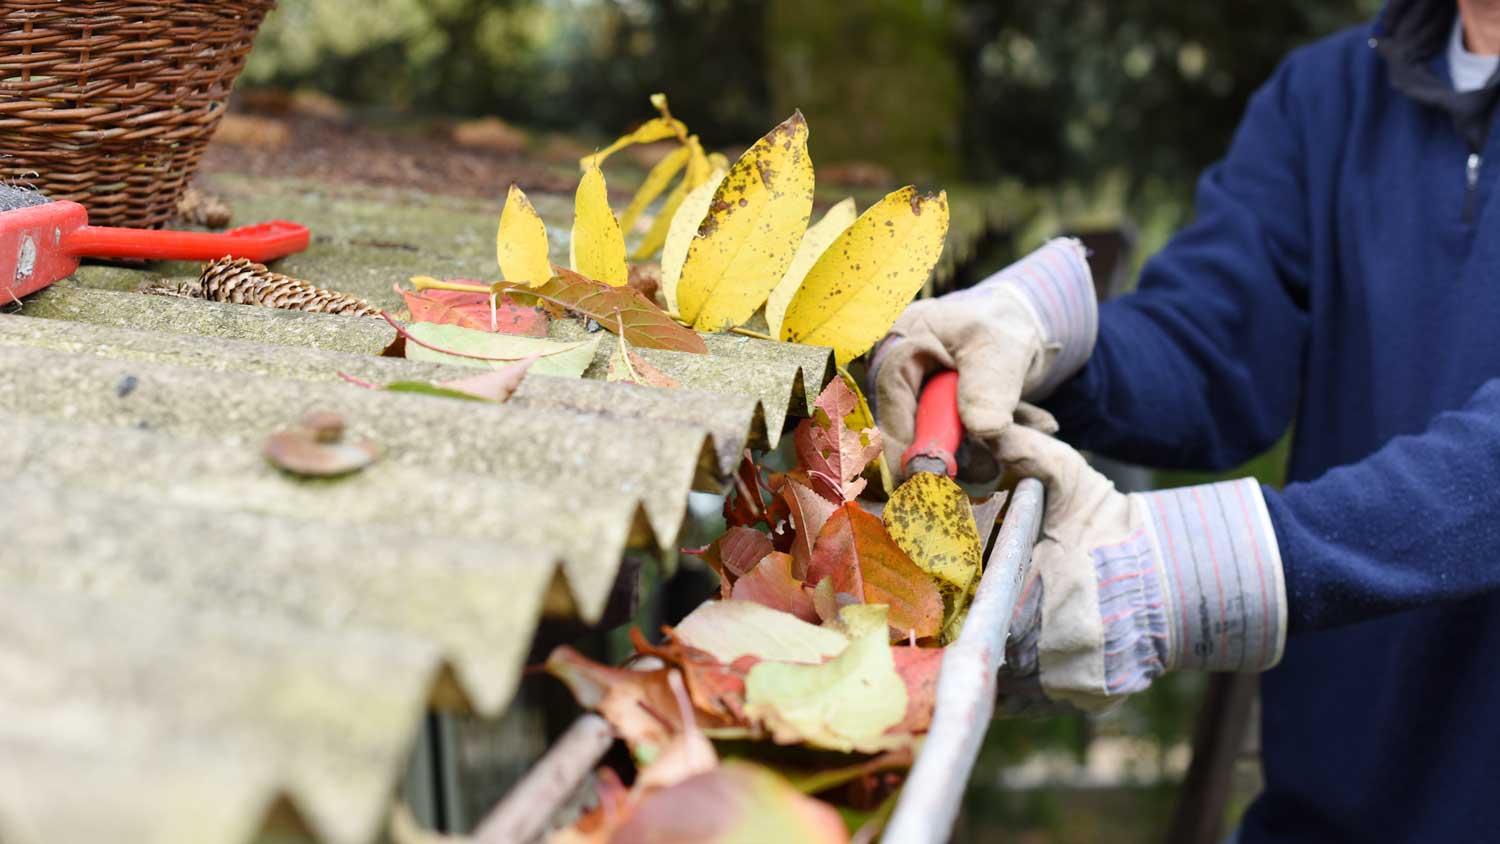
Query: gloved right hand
x=1013, y=338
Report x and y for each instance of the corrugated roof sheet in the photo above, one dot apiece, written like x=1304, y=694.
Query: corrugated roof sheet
x=197, y=647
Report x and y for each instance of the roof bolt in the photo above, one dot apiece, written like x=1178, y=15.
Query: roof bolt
x=324, y=425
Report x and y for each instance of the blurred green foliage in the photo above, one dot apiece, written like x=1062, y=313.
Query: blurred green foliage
x=1052, y=93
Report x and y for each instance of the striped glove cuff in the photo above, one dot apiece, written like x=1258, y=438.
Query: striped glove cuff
x=1057, y=286
x=1199, y=586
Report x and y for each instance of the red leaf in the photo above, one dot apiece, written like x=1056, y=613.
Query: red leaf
x=833, y=455
x=734, y=554
x=744, y=504
x=808, y=510
x=919, y=669
x=644, y=324
x=735, y=802
x=771, y=583
x=716, y=689
x=472, y=310
x=857, y=554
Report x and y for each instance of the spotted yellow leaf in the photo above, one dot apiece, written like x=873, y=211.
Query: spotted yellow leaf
x=817, y=239
x=931, y=518
x=598, y=247
x=654, y=184
x=697, y=171
x=684, y=225
x=861, y=283
x=521, y=242
x=754, y=223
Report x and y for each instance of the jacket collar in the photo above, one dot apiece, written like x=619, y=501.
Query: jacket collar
x=1410, y=35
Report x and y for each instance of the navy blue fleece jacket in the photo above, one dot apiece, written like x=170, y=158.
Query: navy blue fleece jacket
x=1343, y=275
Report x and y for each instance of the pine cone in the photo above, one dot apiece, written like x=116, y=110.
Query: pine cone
x=203, y=209
x=244, y=282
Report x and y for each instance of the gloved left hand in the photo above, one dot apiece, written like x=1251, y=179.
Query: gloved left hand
x=1126, y=587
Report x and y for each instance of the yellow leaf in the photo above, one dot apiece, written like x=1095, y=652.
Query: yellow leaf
x=598, y=247
x=652, y=186
x=746, y=242
x=521, y=242
x=655, y=129
x=931, y=518
x=860, y=284
x=684, y=225
x=656, y=236
x=817, y=239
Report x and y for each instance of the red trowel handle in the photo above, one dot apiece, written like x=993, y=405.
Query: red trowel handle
x=939, y=430
x=260, y=243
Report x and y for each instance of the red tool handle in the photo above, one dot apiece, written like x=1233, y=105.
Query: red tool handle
x=260, y=243
x=939, y=430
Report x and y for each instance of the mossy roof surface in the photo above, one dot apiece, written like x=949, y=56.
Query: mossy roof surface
x=182, y=621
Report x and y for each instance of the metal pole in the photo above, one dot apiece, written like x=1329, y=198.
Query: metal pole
x=930, y=800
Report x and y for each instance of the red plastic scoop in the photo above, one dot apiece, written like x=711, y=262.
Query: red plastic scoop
x=43, y=243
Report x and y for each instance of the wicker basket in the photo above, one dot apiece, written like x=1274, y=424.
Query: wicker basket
x=110, y=104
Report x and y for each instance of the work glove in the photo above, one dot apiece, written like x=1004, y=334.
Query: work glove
x=1016, y=335
x=1126, y=587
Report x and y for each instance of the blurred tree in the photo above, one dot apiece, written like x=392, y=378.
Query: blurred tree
x=878, y=81
x=1075, y=89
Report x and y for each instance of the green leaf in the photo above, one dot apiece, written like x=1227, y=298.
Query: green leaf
x=845, y=704
x=729, y=630
x=566, y=360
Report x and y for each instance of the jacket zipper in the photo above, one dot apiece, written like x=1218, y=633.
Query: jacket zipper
x=1471, y=182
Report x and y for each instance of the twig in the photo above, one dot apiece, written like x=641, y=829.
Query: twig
x=523, y=815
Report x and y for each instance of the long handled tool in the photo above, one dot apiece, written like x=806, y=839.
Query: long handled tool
x=930, y=800
x=42, y=241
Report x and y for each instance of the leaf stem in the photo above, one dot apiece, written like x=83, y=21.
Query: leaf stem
x=625, y=350
x=433, y=284
x=744, y=332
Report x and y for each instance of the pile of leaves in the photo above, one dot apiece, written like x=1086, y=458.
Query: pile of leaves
x=826, y=637
x=816, y=669
x=737, y=254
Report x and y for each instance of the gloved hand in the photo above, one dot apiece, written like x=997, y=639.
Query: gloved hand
x=1014, y=336
x=1126, y=587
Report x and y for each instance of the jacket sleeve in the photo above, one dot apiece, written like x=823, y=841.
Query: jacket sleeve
x=1199, y=367
x=1411, y=525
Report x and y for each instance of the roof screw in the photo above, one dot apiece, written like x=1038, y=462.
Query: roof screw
x=324, y=425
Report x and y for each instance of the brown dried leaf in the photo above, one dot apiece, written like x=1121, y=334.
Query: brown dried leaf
x=861, y=559
x=645, y=324
x=809, y=511
x=744, y=505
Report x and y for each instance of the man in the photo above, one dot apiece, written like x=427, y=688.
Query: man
x=1342, y=275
